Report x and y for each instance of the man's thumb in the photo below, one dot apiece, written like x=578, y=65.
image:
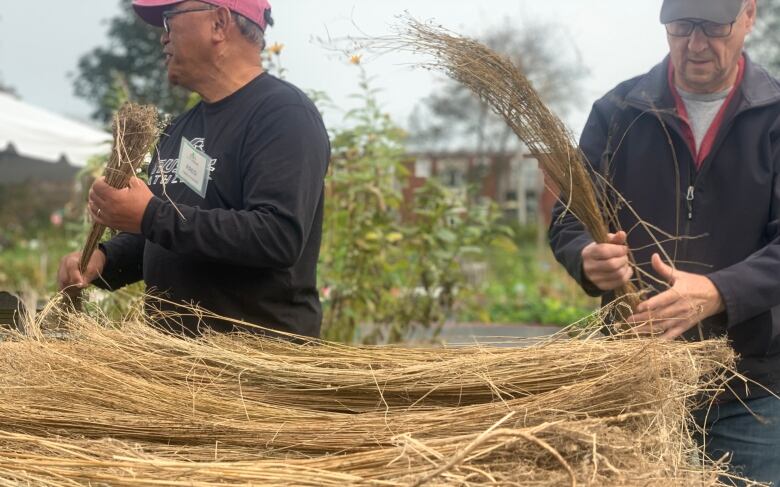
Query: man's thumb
x=666, y=272
x=618, y=238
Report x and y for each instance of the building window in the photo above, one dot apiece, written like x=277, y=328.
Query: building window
x=423, y=168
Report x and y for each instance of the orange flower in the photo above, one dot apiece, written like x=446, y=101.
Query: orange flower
x=276, y=48
x=355, y=59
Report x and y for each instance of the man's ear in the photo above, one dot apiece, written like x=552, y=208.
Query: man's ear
x=221, y=23
x=750, y=14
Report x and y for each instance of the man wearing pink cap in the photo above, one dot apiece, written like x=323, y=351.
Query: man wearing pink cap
x=231, y=218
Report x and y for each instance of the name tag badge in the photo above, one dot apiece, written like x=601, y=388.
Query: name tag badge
x=194, y=167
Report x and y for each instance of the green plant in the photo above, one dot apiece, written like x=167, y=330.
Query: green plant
x=358, y=264
x=524, y=284
x=383, y=273
x=446, y=233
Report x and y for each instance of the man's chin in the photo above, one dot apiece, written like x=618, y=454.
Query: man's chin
x=173, y=80
x=699, y=81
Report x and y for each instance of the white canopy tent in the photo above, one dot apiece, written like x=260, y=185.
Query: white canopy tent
x=37, y=133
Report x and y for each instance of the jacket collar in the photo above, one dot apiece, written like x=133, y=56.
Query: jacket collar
x=757, y=89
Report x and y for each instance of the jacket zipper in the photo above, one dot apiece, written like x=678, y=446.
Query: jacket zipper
x=690, y=197
x=690, y=194
x=689, y=200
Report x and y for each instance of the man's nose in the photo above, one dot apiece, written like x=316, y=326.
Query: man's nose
x=697, y=41
x=165, y=38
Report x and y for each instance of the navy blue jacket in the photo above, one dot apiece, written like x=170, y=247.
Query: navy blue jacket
x=727, y=212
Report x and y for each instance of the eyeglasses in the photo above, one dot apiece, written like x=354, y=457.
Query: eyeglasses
x=170, y=13
x=684, y=28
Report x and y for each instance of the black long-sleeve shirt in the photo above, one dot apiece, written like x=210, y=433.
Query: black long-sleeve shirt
x=248, y=250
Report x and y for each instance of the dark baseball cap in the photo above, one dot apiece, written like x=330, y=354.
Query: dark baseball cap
x=718, y=11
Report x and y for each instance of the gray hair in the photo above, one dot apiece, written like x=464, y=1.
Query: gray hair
x=251, y=31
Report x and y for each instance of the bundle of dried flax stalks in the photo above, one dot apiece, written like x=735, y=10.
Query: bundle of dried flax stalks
x=123, y=404
x=135, y=129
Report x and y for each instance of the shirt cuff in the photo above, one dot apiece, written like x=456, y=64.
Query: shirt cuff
x=727, y=293
x=147, y=222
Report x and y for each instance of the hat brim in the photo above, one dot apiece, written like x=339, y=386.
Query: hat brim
x=720, y=13
x=151, y=11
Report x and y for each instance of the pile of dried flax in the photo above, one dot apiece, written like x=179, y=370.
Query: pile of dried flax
x=123, y=404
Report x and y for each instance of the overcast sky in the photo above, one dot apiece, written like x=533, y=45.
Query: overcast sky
x=40, y=43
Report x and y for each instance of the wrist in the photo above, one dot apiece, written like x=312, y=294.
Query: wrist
x=100, y=257
x=718, y=305
x=149, y=215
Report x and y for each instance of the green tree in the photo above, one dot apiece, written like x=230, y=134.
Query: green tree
x=387, y=273
x=763, y=44
x=131, y=65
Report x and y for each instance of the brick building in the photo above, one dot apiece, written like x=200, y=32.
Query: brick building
x=513, y=180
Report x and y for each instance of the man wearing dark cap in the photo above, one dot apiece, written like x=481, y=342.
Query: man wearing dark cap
x=231, y=217
x=693, y=147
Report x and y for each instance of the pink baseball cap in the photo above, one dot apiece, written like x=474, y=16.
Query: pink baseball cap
x=258, y=11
